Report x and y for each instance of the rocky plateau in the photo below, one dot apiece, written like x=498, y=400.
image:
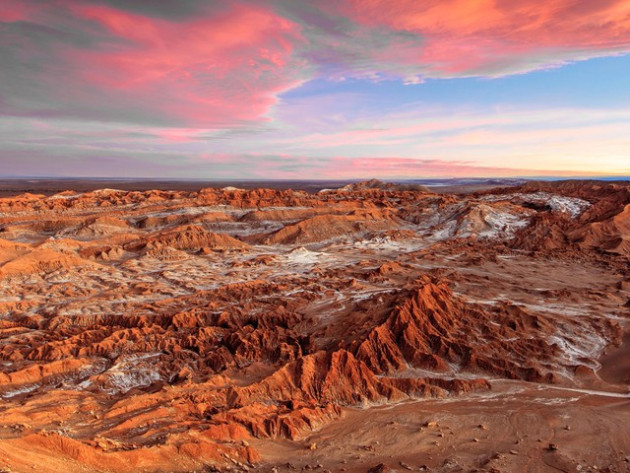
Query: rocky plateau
x=375, y=327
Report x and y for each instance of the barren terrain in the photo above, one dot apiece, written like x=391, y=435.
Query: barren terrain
x=372, y=327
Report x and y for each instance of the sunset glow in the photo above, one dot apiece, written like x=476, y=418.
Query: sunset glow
x=280, y=89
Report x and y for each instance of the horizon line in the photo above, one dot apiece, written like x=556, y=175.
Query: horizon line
x=622, y=177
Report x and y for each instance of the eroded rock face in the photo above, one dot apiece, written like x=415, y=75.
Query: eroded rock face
x=164, y=328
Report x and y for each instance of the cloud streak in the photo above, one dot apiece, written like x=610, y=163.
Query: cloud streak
x=179, y=80
x=497, y=37
x=215, y=70
x=440, y=143
x=225, y=66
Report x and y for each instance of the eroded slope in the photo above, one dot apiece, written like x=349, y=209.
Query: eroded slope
x=172, y=330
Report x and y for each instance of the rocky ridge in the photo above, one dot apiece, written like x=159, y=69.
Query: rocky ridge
x=191, y=325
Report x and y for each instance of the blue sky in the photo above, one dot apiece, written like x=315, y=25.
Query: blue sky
x=273, y=89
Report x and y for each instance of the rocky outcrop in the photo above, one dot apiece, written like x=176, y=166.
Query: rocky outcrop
x=326, y=227
x=42, y=261
x=151, y=328
x=188, y=237
x=610, y=235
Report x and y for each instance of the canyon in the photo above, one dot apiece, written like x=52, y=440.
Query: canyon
x=372, y=327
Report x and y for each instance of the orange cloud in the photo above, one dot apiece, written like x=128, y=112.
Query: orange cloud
x=225, y=64
x=498, y=37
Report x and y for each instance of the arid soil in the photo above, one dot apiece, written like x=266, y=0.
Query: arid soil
x=374, y=327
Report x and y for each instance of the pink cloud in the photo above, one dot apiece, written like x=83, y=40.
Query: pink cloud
x=395, y=167
x=221, y=68
x=15, y=10
x=497, y=37
x=408, y=168
x=225, y=67
x=179, y=135
x=344, y=167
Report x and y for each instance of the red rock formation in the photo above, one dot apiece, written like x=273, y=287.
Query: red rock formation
x=41, y=261
x=188, y=237
x=149, y=326
x=325, y=227
x=611, y=235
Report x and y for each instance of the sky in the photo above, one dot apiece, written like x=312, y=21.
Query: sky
x=319, y=89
